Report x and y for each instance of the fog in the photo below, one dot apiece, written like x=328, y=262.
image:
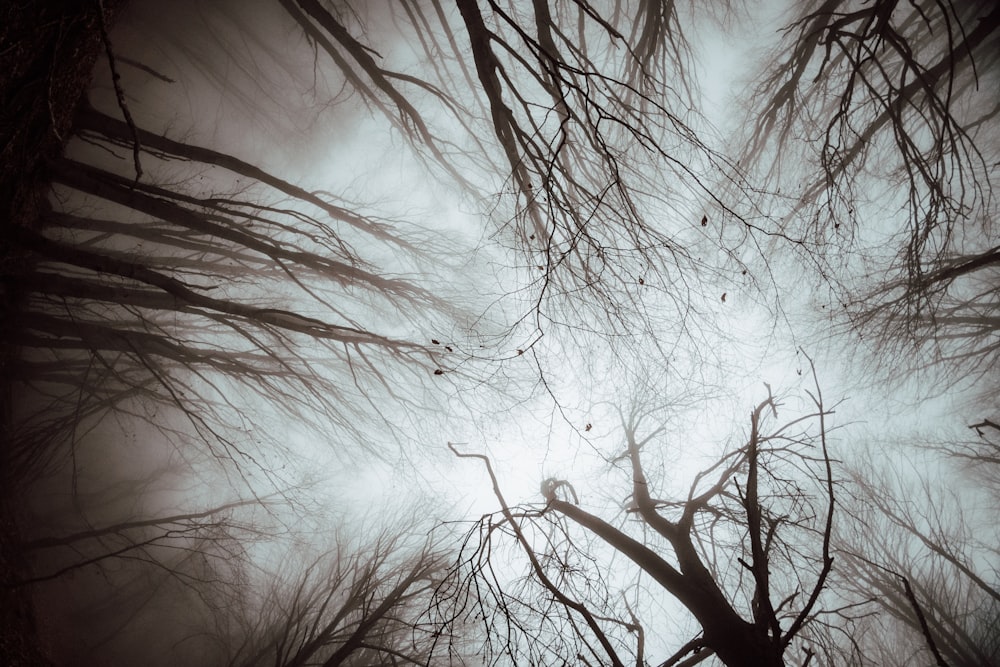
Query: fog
x=514, y=333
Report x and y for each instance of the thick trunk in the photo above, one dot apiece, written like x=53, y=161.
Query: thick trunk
x=735, y=641
x=741, y=645
x=47, y=53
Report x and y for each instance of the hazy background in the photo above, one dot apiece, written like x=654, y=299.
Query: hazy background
x=464, y=323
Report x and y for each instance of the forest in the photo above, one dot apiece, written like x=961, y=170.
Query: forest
x=500, y=332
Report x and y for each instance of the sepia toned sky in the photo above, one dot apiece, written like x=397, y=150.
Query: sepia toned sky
x=536, y=370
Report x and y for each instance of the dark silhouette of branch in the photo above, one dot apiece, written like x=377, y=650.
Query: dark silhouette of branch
x=695, y=583
x=116, y=81
x=539, y=571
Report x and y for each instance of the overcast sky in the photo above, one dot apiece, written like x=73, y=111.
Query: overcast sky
x=533, y=369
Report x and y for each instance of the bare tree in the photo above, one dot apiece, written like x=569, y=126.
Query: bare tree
x=129, y=302
x=157, y=277
x=923, y=549
x=176, y=289
x=747, y=554
x=168, y=282
x=953, y=330
x=101, y=586
x=47, y=53
x=878, y=127
x=355, y=605
x=586, y=114
x=140, y=302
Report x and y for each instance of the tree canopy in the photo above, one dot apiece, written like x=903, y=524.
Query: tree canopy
x=501, y=331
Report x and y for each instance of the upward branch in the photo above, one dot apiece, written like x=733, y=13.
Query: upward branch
x=536, y=566
x=806, y=612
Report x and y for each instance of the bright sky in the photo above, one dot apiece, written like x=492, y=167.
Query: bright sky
x=246, y=86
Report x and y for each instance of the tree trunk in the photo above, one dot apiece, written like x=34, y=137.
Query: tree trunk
x=742, y=645
x=48, y=51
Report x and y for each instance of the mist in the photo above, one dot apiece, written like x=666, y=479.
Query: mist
x=521, y=333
